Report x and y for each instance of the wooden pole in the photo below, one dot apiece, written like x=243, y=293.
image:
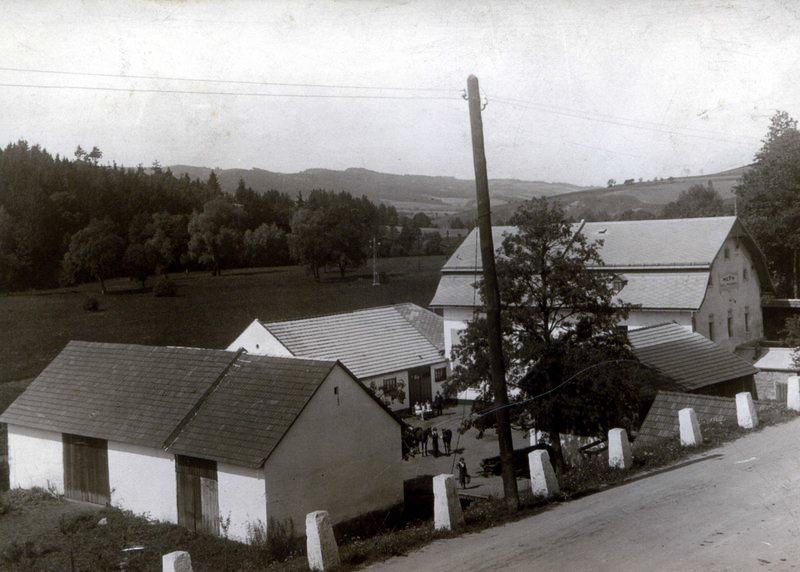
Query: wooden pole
x=492, y=299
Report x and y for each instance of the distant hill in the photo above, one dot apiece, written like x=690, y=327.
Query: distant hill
x=650, y=196
x=437, y=196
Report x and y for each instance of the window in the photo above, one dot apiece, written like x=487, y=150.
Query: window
x=747, y=319
x=390, y=384
x=711, y=327
x=440, y=374
x=730, y=324
x=727, y=253
x=745, y=274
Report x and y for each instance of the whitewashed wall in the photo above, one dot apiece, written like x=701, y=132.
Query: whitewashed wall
x=143, y=481
x=343, y=455
x=35, y=458
x=256, y=339
x=242, y=498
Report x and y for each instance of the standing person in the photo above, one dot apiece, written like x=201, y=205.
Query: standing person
x=438, y=403
x=463, y=476
x=435, y=441
x=426, y=434
x=447, y=437
x=419, y=437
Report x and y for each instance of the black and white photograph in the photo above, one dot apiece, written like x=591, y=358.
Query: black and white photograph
x=399, y=285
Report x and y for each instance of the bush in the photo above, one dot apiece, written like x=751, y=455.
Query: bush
x=164, y=287
x=91, y=304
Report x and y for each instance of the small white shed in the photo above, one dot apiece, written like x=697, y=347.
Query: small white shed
x=388, y=348
x=192, y=436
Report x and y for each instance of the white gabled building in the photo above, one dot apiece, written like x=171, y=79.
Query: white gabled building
x=195, y=436
x=706, y=274
x=399, y=346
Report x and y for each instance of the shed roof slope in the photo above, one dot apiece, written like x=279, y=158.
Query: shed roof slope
x=255, y=404
x=368, y=342
x=688, y=358
x=646, y=243
x=777, y=359
x=127, y=393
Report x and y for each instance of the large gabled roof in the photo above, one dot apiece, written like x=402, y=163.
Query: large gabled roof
x=689, y=359
x=678, y=243
x=220, y=405
x=368, y=342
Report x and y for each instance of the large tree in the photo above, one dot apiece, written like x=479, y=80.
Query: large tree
x=215, y=238
x=769, y=202
x=95, y=250
x=696, y=201
x=569, y=367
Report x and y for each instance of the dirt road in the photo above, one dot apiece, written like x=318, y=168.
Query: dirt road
x=735, y=508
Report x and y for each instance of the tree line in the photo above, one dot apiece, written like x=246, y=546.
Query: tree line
x=64, y=220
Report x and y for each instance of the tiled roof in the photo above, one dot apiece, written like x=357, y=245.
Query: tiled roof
x=688, y=358
x=777, y=359
x=212, y=404
x=368, y=342
x=254, y=405
x=127, y=393
x=650, y=243
x=662, y=419
x=650, y=290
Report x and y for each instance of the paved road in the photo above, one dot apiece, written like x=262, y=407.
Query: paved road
x=735, y=508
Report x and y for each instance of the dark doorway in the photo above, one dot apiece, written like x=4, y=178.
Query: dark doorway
x=198, y=502
x=419, y=385
x=86, y=469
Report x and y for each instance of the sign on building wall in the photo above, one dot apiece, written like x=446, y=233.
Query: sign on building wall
x=728, y=280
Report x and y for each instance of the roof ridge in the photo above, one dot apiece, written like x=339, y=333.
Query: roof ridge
x=652, y=326
x=192, y=413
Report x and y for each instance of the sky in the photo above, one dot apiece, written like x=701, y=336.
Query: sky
x=576, y=92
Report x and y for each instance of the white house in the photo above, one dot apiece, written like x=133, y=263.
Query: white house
x=706, y=274
x=192, y=436
x=388, y=347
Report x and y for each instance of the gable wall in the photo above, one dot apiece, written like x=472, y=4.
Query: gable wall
x=242, y=499
x=35, y=458
x=256, y=339
x=343, y=455
x=729, y=291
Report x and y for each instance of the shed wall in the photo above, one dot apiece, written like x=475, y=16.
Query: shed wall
x=242, y=498
x=143, y=481
x=341, y=455
x=36, y=459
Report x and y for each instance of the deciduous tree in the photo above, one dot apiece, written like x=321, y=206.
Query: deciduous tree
x=95, y=250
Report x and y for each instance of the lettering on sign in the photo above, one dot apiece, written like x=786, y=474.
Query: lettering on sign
x=728, y=280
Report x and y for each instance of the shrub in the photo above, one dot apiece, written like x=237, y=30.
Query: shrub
x=164, y=287
x=91, y=304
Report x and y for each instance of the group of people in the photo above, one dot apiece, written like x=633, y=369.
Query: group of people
x=423, y=410
x=417, y=440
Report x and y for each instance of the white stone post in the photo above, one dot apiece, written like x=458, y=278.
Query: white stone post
x=619, y=449
x=323, y=553
x=793, y=393
x=178, y=561
x=447, y=513
x=690, y=428
x=745, y=411
x=543, y=478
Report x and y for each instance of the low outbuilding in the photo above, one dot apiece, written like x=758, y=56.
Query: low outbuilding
x=398, y=350
x=198, y=437
x=775, y=367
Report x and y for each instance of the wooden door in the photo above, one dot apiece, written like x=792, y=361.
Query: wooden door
x=419, y=385
x=198, y=497
x=86, y=469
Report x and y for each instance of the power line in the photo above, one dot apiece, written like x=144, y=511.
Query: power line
x=631, y=123
x=234, y=93
x=227, y=81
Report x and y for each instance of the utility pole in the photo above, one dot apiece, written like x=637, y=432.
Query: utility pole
x=492, y=296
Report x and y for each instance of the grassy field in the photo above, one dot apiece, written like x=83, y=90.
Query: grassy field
x=207, y=312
